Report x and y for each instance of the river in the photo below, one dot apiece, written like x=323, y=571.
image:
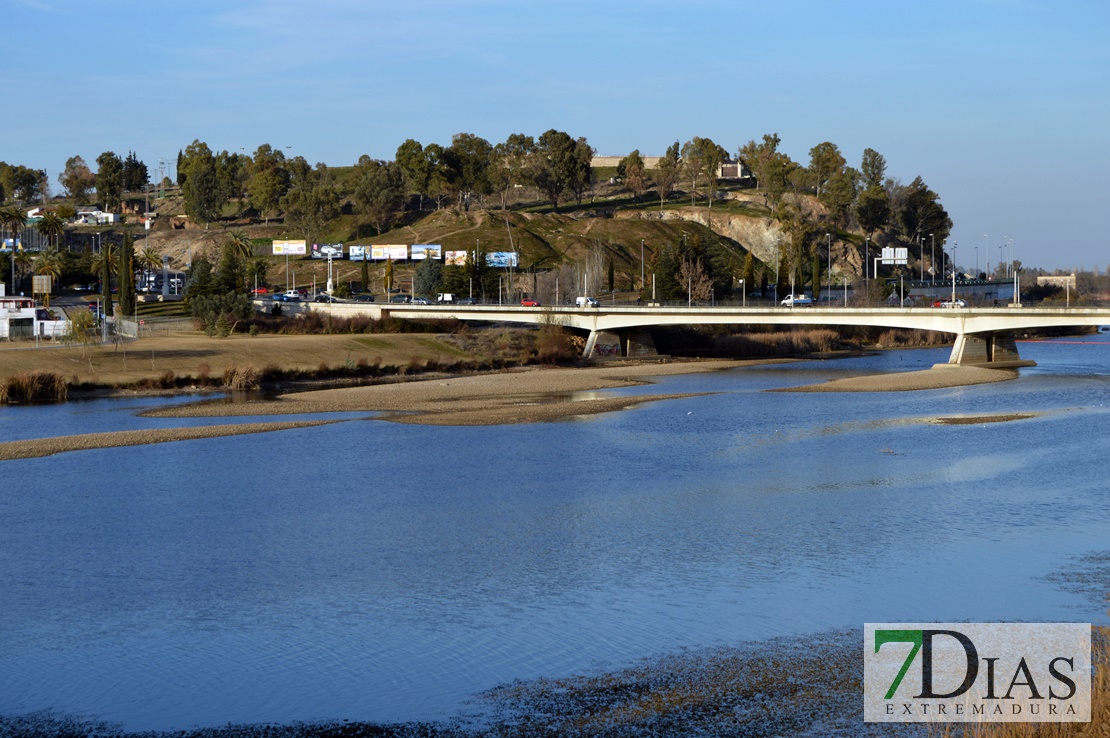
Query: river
x=383, y=572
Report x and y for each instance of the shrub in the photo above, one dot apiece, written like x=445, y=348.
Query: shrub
x=241, y=377
x=32, y=387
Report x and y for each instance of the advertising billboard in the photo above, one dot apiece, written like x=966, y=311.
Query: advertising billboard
x=356, y=253
x=289, y=248
x=502, y=259
x=422, y=251
x=455, y=258
x=396, y=253
x=327, y=250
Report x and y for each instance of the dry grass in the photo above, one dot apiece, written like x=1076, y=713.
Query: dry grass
x=27, y=387
x=191, y=357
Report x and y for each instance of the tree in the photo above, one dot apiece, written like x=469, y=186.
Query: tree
x=77, y=179
x=309, y=208
x=701, y=158
x=632, y=170
x=921, y=213
x=582, y=173
x=468, y=160
x=149, y=260
x=825, y=162
x=427, y=278
x=21, y=183
x=269, y=180
x=14, y=220
x=126, y=275
x=51, y=226
x=109, y=180
x=758, y=156
x=839, y=193
x=872, y=168
x=135, y=174
x=556, y=164
x=873, y=209
x=201, y=189
x=749, y=272
x=510, y=164
x=694, y=280
x=415, y=168
x=104, y=264
x=387, y=278
x=667, y=172
x=378, y=191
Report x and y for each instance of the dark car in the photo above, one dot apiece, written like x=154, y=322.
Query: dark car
x=401, y=299
x=324, y=297
x=365, y=297
x=420, y=301
x=283, y=297
x=467, y=301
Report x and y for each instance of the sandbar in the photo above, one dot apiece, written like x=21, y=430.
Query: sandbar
x=941, y=376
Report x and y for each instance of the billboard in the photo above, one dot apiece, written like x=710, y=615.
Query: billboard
x=396, y=253
x=501, y=259
x=327, y=250
x=289, y=248
x=422, y=251
x=356, y=253
x=456, y=258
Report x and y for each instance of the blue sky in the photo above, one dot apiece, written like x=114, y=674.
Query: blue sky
x=1002, y=106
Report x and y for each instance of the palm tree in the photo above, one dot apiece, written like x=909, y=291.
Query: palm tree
x=49, y=263
x=22, y=261
x=104, y=265
x=149, y=260
x=52, y=227
x=242, y=244
x=14, y=220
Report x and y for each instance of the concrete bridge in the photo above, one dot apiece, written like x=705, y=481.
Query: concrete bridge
x=984, y=336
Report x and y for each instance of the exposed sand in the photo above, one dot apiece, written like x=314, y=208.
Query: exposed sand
x=939, y=377
x=520, y=396
x=49, y=446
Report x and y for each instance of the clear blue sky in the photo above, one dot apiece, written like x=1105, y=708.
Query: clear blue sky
x=1000, y=105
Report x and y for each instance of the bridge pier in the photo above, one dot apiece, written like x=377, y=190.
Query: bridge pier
x=994, y=350
x=629, y=342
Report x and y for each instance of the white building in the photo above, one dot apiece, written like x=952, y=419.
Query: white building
x=19, y=318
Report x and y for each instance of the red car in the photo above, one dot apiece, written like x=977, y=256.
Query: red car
x=528, y=302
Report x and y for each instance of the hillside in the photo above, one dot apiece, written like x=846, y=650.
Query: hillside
x=544, y=239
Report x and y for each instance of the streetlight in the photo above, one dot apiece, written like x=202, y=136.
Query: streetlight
x=642, y=285
x=933, y=260
x=976, y=262
x=866, y=256
x=953, y=273
x=828, y=236
x=986, y=255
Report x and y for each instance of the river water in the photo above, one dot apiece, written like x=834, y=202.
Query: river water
x=382, y=572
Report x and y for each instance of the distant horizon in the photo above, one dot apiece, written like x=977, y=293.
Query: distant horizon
x=999, y=105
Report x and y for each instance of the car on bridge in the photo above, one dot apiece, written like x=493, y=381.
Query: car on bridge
x=957, y=303
x=529, y=302
x=586, y=302
x=797, y=301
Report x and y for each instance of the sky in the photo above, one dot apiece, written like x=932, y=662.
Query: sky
x=1001, y=106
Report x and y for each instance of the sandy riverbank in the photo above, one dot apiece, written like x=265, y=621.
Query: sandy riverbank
x=527, y=395
x=941, y=376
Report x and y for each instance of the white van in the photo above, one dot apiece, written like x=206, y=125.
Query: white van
x=586, y=302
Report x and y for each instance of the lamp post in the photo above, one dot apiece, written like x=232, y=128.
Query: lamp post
x=642, y=285
x=743, y=294
x=986, y=254
x=866, y=255
x=828, y=237
x=976, y=262
x=933, y=260
x=953, y=274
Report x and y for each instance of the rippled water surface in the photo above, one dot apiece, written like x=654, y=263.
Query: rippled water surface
x=373, y=571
